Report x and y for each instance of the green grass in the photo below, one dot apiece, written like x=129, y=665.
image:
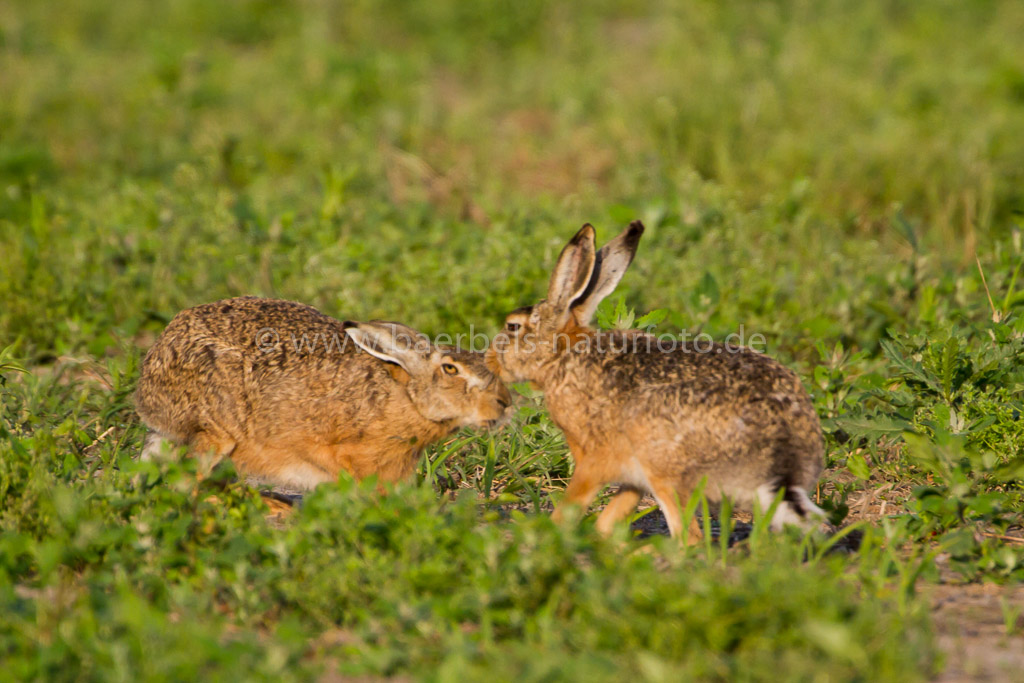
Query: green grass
x=823, y=174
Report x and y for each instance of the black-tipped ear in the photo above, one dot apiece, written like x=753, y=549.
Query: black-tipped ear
x=573, y=270
x=610, y=265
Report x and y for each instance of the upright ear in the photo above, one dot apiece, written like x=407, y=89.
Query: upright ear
x=392, y=342
x=573, y=270
x=609, y=266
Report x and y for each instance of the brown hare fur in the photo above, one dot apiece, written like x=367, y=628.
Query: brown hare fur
x=658, y=419
x=293, y=396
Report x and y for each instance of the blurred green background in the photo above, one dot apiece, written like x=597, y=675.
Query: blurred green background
x=425, y=160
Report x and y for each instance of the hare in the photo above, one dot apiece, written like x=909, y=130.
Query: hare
x=288, y=394
x=654, y=415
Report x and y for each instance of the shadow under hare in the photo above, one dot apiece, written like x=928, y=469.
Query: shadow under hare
x=293, y=396
x=655, y=416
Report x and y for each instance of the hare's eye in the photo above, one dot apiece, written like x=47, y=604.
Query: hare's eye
x=449, y=369
x=512, y=327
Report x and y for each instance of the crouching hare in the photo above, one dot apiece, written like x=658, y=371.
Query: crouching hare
x=290, y=396
x=655, y=416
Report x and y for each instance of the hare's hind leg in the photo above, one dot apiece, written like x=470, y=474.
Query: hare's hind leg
x=581, y=491
x=672, y=499
x=296, y=464
x=621, y=504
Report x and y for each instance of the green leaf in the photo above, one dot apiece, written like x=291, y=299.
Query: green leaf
x=909, y=368
x=623, y=315
x=858, y=466
x=948, y=367
x=872, y=426
x=7, y=361
x=652, y=319
x=980, y=424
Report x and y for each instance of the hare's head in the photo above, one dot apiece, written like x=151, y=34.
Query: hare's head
x=446, y=385
x=582, y=277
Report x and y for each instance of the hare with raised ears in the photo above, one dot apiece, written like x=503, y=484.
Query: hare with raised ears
x=293, y=396
x=658, y=417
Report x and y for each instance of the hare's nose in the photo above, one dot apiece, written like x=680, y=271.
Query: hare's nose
x=504, y=402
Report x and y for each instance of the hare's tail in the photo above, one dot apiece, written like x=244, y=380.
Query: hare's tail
x=795, y=508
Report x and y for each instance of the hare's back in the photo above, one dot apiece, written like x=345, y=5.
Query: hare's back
x=236, y=358
x=707, y=374
x=731, y=402
x=257, y=323
x=275, y=343
x=217, y=343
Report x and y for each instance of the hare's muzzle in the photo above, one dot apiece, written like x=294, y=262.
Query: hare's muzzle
x=500, y=410
x=493, y=358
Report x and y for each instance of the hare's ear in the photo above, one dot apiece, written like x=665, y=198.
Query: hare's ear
x=392, y=342
x=609, y=266
x=572, y=272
